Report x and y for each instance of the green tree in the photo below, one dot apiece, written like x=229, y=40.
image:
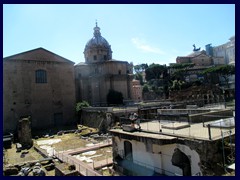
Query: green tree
x=183, y=66
x=114, y=97
x=177, y=85
x=140, y=68
x=180, y=70
x=224, y=71
x=145, y=88
x=155, y=71
x=139, y=77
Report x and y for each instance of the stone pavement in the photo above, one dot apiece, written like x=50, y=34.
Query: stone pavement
x=84, y=168
x=196, y=131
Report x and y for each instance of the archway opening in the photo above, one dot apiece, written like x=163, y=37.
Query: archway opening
x=182, y=161
x=128, y=150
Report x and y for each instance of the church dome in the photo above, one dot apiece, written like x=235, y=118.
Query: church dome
x=97, y=48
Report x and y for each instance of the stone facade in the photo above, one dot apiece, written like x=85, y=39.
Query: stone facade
x=100, y=73
x=227, y=51
x=200, y=95
x=224, y=54
x=166, y=155
x=39, y=84
x=136, y=91
x=201, y=60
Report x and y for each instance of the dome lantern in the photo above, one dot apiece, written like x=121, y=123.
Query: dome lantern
x=97, y=48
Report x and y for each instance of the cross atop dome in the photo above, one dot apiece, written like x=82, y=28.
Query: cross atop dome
x=96, y=30
x=96, y=23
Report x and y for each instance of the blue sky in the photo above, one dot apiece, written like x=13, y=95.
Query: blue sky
x=143, y=33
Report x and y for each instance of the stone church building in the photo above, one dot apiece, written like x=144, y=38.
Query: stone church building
x=100, y=73
x=40, y=84
x=45, y=86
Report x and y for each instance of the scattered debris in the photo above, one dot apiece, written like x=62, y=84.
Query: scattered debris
x=18, y=147
x=60, y=133
x=50, y=167
x=38, y=171
x=71, y=167
x=10, y=170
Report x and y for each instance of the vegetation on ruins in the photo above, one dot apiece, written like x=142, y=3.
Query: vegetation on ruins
x=224, y=71
x=79, y=107
x=180, y=70
x=161, y=79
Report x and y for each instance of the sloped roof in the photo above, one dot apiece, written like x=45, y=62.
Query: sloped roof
x=200, y=55
x=39, y=54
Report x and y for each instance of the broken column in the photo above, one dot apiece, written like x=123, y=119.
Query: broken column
x=24, y=132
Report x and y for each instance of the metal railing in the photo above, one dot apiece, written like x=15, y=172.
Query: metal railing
x=207, y=131
x=81, y=167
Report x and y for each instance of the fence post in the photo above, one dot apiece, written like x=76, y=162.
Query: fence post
x=209, y=131
x=224, y=164
x=203, y=121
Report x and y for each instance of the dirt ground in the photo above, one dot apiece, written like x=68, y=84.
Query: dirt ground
x=68, y=141
x=13, y=157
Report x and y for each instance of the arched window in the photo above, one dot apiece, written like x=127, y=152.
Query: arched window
x=41, y=76
x=128, y=150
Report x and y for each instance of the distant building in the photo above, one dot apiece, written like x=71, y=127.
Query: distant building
x=100, y=73
x=227, y=51
x=136, y=91
x=201, y=60
x=224, y=54
x=39, y=84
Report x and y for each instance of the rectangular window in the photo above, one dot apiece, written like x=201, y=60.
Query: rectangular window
x=95, y=57
x=41, y=76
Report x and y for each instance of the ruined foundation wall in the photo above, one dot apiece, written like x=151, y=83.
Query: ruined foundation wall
x=210, y=153
x=205, y=156
x=96, y=119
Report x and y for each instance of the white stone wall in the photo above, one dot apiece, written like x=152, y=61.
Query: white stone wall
x=159, y=157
